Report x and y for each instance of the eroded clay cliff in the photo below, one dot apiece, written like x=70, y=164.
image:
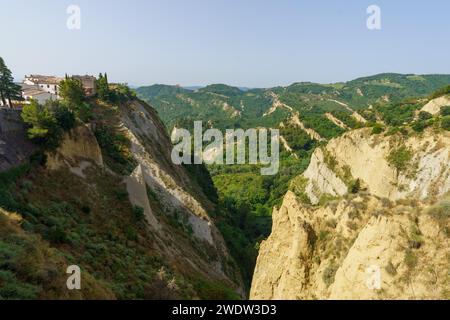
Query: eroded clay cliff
x=360, y=226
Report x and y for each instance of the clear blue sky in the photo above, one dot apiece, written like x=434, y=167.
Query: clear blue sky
x=256, y=43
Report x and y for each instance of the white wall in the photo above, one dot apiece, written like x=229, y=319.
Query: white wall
x=50, y=88
x=41, y=98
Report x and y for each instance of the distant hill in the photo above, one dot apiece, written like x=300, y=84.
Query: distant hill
x=226, y=106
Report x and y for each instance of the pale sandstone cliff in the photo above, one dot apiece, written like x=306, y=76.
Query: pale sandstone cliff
x=332, y=252
x=360, y=155
x=395, y=230
x=434, y=106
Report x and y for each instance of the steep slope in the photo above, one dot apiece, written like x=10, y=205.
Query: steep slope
x=14, y=145
x=392, y=167
x=111, y=201
x=341, y=250
x=383, y=215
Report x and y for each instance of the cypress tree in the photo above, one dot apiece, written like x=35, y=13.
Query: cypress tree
x=8, y=89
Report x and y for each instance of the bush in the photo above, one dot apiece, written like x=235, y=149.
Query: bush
x=57, y=235
x=86, y=209
x=419, y=125
x=208, y=290
x=400, y=158
x=415, y=240
x=441, y=214
x=441, y=92
x=329, y=274
x=64, y=117
x=138, y=213
x=423, y=115
x=445, y=111
x=355, y=186
x=115, y=149
x=377, y=128
x=410, y=259
x=445, y=123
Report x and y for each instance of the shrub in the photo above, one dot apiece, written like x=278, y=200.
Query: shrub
x=121, y=194
x=445, y=111
x=410, y=259
x=298, y=186
x=390, y=269
x=86, y=209
x=415, y=240
x=115, y=149
x=138, y=213
x=209, y=290
x=377, y=128
x=355, y=186
x=329, y=274
x=400, y=158
x=326, y=198
x=57, y=235
x=331, y=223
x=423, y=115
x=64, y=117
x=445, y=123
x=441, y=214
x=441, y=92
x=419, y=125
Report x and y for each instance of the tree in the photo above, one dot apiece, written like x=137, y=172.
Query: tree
x=63, y=115
x=72, y=92
x=44, y=128
x=8, y=89
x=73, y=97
x=103, y=87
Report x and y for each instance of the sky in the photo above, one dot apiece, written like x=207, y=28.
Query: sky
x=251, y=43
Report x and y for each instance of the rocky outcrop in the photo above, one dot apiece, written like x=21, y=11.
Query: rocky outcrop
x=137, y=192
x=336, y=121
x=388, y=239
x=311, y=132
x=78, y=150
x=175, y=196
x=357, y=248
x=276, y=104
x=434, y=106
x=360, y=155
